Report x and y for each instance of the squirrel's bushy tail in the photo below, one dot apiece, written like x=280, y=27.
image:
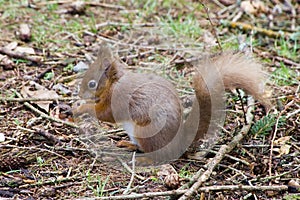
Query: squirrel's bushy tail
x=226, y=71
x=240, y=71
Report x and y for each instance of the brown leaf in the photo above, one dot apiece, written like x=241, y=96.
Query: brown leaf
x=283, y=150
x=40, y=93
x=282, y=140
x=253, y=7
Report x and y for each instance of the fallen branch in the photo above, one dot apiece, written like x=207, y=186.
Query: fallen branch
x=28, y=105
x=8, y=99
x=202, y=189
x=130, y=170
x=200, y=177
x=19, y=55
x=249, y=27
x=126, y=191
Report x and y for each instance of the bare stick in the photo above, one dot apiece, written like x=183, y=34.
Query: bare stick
x=249, y=27
x=8, y=99
x=274, y=136
x=200, y=177
x=160, y=48
x=212, y=25
x=32, y=147
x=105, y=5
x=132, y=175
x=129, y=169
x=202, y=189
x=19, y=55
x=28, y=105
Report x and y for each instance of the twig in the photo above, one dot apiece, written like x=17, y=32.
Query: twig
x=132, y=175
x=232, y=158
x=44, y=115
x=274, y=136
x=160, y=48
x=249, y=27
x=49, y=137
x=48, y=182
x=19, y=55
x=202, y=177
x=126, y=24
x=287, y=61
x=238, y=172
x=281, y=59
x=202, y=189
x=42, y=74
x=105, y=5
x=242, y=103
x=54, y=2
x=8, y=99
x=212, y=25
x=268, y=178
x=138, y=55
x=32, y=147
x=219, y=4
x=129, y=170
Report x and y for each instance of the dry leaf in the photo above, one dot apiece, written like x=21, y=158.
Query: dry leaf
x=209, y=39
x=284, y=150
x=62, y=89
x=253, y=7
x=40, y=93
x=282, y=140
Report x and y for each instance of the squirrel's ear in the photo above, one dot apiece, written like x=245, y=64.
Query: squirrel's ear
x=113, y=70
x=105, y=52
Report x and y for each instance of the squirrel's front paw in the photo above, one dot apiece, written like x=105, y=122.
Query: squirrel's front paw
x=128, y=145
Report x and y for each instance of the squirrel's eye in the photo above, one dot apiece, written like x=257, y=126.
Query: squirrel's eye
x=92, y=84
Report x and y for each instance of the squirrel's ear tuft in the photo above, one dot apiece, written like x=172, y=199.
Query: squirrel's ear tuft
x=104, y=54
x=105, y=51
x=113, y=70
x=106, y=64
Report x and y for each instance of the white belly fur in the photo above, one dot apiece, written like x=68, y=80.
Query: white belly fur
x=129, y=128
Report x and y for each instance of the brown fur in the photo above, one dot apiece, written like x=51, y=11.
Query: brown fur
x=151, y=104
x=235, y=71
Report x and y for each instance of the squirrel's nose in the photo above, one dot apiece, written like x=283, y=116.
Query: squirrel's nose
x=76, y=106
x=79, y=103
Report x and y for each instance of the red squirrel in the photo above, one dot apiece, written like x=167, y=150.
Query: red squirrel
x=149, y=107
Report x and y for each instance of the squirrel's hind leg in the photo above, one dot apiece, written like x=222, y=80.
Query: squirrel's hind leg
x=128, y=145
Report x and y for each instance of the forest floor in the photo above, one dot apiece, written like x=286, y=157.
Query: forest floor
x=46, y=154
